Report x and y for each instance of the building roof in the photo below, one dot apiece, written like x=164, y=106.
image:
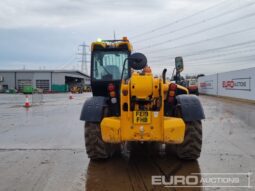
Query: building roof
x=54, y=71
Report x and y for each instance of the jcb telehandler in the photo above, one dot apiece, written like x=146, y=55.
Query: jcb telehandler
x=130, y=105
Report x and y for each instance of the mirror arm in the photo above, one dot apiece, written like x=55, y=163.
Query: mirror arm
x=172, y=77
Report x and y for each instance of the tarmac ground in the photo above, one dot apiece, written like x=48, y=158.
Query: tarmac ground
x=42, y=148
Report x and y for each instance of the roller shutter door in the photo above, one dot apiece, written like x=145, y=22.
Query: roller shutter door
x=43, y=84
x=22, y=83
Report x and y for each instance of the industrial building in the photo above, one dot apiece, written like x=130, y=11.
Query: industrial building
x=43, y=79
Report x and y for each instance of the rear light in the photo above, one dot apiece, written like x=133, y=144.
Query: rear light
x=147, y=70
x=111, y=87
x=112, y=94
x=125, y=38
x=171, y=92
x=172, y=86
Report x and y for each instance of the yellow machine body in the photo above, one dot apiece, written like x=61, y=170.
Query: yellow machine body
x=144, y=123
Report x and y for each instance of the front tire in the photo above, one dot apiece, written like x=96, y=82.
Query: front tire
x=96, y=148
x=191, y=147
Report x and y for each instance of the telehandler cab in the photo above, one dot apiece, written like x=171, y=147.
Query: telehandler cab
x=129, y=105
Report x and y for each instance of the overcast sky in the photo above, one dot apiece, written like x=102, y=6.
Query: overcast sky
x=211, y=35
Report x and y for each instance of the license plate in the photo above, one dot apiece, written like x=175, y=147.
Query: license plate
x=142, y=117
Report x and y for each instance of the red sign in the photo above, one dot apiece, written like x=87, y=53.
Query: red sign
x=206, y=84
x=237, y=84
x=228, y=84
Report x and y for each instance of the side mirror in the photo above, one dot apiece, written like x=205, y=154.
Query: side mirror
x=137, y=61
x=179, y=64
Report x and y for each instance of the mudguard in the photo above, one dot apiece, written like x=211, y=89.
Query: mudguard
x=92, y=110
x=191, y=107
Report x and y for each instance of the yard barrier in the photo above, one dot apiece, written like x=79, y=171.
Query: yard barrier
x=235, y=84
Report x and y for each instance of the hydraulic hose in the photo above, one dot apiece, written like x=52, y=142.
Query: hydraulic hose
x=164, y=75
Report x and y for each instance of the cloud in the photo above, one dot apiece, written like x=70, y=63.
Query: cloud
x=48, y=32
x=67, y=13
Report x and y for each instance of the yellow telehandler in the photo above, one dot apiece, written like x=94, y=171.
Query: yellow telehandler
x=130, y=105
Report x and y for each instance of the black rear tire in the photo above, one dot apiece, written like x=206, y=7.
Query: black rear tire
x=95, y=146
x=191, y=147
